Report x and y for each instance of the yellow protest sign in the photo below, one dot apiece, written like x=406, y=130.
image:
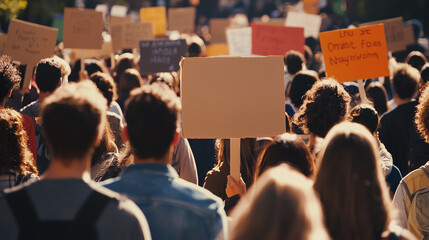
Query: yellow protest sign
x=157, y=16
x=217, y=50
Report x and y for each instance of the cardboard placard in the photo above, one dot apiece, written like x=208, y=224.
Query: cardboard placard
x=3, y=38
x=225, y=97
x=116, y=34
x=310, y=22
x=218, y=27
x=276, y=40
x=133, y=33
x=353, y=54
x=182, y=19
x=270, y=21
x=119, y=20
x=106, y=50
x=161, y=56
x=157, y=16
x=239, y=41
x=311, y=6
x=217, y=50
x=394, y=30
x=82, y=28
x=409, y=35
x=29, y=42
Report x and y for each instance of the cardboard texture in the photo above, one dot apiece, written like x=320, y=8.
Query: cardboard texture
x=29, y=42
x=217, y=50
x=161, y=56
x=182, y=19
x=157, y=16
x=232, y=97
x=409, y=35
x=106, y=50
x=3, y=38
x=353, y=54
x=276, y=40
x=116, y=34
x=311, y=6
x=394, y=30
x=235, y=158
x=310, y=22
x=239, y=41
x=82, y=28
x=119, y=20
x=271, y=21
x=218, y=27
x=133, y=33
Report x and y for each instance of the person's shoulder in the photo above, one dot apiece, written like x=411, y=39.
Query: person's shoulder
x=193, y=193
x=418, y=178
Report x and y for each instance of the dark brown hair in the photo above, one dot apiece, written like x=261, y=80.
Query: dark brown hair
x=377, y=94
x=351, y=185
x=151, y=113
x=72, y=119
x=325, y=105
x=405, y=80
x=106, y=85
x=422, y=114
x=14, y=153
x=286, y=148
x=9, y=77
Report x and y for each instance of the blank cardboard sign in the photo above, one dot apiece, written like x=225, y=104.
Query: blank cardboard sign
x=29, y=42
x=133, y=33
x=276, y=40
x=232, y=97
x=82, y=28
x=354, y=54
x=218, y=27
x=310, y=22
x=409, y=35
x=270, y=21
x=161, y=56
x=3, y=38
x=394, y=30
x=239, y=41
x=182, y=19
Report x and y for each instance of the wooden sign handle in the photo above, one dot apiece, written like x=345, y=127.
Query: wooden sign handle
x=82, y=60
x=29, y=70
x=234, y=160
x=362, y=92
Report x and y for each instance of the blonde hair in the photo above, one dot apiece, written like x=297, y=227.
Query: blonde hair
x=351, y=184
x=282, y=205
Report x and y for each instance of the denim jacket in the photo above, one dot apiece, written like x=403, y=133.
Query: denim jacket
x=174, y=208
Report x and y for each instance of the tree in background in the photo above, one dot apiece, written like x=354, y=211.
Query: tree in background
x=10, y=9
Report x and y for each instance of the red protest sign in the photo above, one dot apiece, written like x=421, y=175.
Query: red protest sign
x=276, y=40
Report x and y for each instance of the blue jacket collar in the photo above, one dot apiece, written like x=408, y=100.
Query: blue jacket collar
x=150, y=169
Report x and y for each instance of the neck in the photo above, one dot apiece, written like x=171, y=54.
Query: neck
x=166, y=159
x=43, y=95
x=69, y=168
x=400, y=101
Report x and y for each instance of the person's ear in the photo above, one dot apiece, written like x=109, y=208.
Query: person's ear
x=176, y=138
x=125, y=134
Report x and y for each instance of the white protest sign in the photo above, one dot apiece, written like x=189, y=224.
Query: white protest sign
x=310, y=22
x=239, y=41
x=118, y=11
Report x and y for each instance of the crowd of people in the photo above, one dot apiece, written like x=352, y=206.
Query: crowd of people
x=97, y=153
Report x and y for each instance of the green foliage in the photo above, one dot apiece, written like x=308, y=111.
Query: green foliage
x=10, y=8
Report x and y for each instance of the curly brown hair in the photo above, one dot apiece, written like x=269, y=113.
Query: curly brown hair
x=422, y=114
x=325, y=105
x=15, y=154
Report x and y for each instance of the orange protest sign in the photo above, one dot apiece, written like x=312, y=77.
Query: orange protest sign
x=354, y=54
x=157, y=16
x=276, y=40
x=217, y=50
x=311, y=6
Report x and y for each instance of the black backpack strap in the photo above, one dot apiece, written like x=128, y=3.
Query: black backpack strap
x=23, y=209
x=92, y=208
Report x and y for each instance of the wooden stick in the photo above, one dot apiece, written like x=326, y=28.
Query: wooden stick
x=234, y=159
x=362, y=93
x=29, y=69
x=82, y=60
